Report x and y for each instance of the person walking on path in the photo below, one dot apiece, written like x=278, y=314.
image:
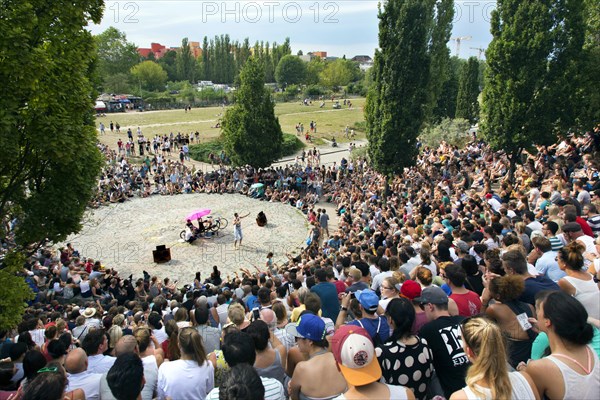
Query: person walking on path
x=237, y=229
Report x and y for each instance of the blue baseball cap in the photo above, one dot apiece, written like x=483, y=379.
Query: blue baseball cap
x=309, y=326
x=368, y=299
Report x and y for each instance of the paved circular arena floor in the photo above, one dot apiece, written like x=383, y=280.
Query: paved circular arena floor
x=123, y=235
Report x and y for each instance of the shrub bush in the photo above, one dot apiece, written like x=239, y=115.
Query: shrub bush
x=200, y=151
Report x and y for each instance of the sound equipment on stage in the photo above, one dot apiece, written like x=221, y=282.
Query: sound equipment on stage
x=161, y=254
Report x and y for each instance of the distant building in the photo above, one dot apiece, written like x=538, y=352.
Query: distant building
x=364, y=62
x=159, y=50
x=322, y=54
x=310, y=55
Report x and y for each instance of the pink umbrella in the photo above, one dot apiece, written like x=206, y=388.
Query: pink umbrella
x=198, y=214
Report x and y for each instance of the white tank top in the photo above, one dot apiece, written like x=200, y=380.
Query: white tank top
x=587, y=293
x=520, y=389
x=578, y=386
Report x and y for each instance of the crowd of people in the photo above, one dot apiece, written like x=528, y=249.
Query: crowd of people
x=448, y=281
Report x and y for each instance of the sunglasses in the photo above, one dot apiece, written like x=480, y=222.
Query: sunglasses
x=47, y=369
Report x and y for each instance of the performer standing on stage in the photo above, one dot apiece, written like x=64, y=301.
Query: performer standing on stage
x=237, y=229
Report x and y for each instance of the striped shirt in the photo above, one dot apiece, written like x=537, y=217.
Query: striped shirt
x=556, y=243
x=273, y=390
x=594, y=223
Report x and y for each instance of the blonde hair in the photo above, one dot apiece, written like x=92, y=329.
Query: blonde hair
x=114, y=334
x=485, y=340
x=236, y=313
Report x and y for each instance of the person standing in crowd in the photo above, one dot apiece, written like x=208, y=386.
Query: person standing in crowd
x=237, y=229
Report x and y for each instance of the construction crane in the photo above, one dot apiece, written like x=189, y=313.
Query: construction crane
x=459, y=39
x=481, y=51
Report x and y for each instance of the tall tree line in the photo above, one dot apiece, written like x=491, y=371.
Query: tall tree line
x=222, y=59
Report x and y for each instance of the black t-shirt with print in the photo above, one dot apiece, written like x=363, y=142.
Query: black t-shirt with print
x=449, y=359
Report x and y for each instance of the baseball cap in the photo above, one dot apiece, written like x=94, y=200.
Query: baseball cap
x=410, y=289
x=309, y=326
x=571, y=227
x=354, y=353
x=433, y=295
x=463, y=246
x=368, y=299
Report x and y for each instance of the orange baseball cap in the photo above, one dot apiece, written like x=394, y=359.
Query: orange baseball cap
x=355, y=355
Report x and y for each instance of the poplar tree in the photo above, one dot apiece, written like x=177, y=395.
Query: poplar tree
x=467, y=106
x=395, y=107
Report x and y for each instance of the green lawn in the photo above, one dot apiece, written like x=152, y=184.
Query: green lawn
x=330, y=122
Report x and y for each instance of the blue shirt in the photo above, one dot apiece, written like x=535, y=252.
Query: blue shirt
x=330, y=305
x=548, y=266
x=372, y=325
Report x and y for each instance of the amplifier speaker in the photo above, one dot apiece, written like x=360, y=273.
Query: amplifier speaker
x=161, y=254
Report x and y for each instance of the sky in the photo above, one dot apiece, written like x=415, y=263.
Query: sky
x=340, y=27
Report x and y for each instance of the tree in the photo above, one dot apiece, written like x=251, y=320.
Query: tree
x=531, y=74
x=115, y=53
x=440, y=56
x=49, y=164
x=150, y=75
x=167, y=62
x=467, y=106
x=313, y=70
x=291, y=70
x=337, y=73
x=395, y=108
x=446, y=103
x=589, y=114
x=118, y=83
x=250, y=131
x=185, y=62
x=300, y=53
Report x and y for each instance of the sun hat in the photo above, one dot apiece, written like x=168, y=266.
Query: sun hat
x=410, y=289
x=354, y=353
x=89, y=312
x=433, y=295
x=309, y=326
x=368, y=299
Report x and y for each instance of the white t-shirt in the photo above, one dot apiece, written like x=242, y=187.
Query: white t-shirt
x=100, y=364
x=185, y=379
x=86, y=381
x=151, y=377
x=273, y=390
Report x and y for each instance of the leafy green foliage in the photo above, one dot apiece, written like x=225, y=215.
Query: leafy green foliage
x=250, y=130
x=118, y=83
x=338, y=73
x=291, y=70
x=395, y=108
x=150, y=75
x=532, y=75
x=49, y=163
x=15, y=291
x=115, y=54
x=440, y=56
x=199, y=152
x=452, y=131
x=185, y=63
x=467, y=106
x=589, y=97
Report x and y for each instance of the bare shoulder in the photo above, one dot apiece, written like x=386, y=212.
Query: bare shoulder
x=459, y=395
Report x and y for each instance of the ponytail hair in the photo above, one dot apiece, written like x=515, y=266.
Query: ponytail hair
x=402, y=312
x=572, y=255
x=242, y=383
x=485, y=339
x=190, y=343
x=172, y=330
x=568, y=317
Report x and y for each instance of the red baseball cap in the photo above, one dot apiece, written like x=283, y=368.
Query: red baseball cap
x=410, y=289
x=355, y=355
